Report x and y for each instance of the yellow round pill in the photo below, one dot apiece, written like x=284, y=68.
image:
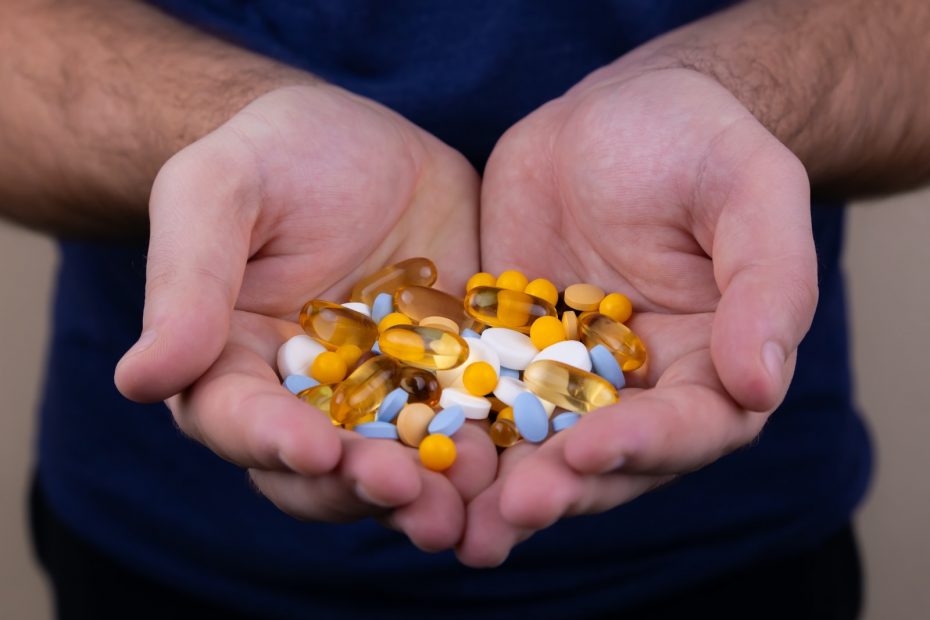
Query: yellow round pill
x=392, y=319
x=570, y=323
x=328, y=367
x=480, y=279
x=583, y=296
x=349, y=353
x=506, y=414
x=617, y=307
x=479, y=378
x=512, y=280
x=437, y=452
x=546, y=330
x=544, y=289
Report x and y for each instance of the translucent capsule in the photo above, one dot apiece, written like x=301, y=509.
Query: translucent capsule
x=626, y=347
x=411, y=272
x=420, y=302
x=568, y=387
x=361, y=393
x=424, y=347
x=506, y=308
x=504, y=433
x=422, y=385
x=335, y=326
x=320, y=397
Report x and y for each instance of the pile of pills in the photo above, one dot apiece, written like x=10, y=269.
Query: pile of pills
x=408, y=362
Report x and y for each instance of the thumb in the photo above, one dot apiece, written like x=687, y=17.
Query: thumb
x=203, y=205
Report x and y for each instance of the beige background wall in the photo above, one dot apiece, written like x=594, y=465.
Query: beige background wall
x=888, y=260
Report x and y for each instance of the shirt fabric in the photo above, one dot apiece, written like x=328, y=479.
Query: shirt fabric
x=124, y=477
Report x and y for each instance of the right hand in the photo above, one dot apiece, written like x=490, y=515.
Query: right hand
x=297, y=196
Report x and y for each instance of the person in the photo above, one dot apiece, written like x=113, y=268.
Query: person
x=274, y=152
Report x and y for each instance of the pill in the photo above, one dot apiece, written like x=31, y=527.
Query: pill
x=508, y=389
x=514, y=350
x=499, y=307
x=334, y=325
x=448, y=421
x=570, y=323
x=421, y=385
x=470, y=333
x=480, y=279
x=393, y=318
x=504, y=433
x=437, y=452
x=546, y=330
x=544, y=289
x=376, y=430
x=479, y=378
x=296, y=355
x=413, y=423
x=419, y=302
x=319, y=396
x=530, y=417
x=375, y=348
x=583, y=297
x=329, y=367
x=361, y=392
x=511, y=280
x=417, y=271
x=391, y=405
x=569, y=352
x=510, y=372
x=382, y=306
x=440, y=322
x=350, y=354
x=568, y=387
x=564, y=420
x=617, y=307
x=496, y=403
x=296, y=384
x=478, y=351
x=623, y=344
x=423, y=347
x=606, y=366
x=358, y=307
x=475, y=407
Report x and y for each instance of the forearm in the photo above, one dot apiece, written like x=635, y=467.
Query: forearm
x=98, y=94
x=843, y=83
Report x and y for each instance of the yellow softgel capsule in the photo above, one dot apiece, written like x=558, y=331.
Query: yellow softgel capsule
x=617, y=306
x=512, y=280
x=440, y=322
x=437, y=452
x=320, y=397
x=626, y=347
x=568, y=387
x=362, y=391
x=500, y=307
x=423, y=347
x=334, y=325
x=479, y=378
x=546, y=330
x=481, y=278
x=544, y=289
x=506, y=413
x=583, y=297
x=392, y=319
x=350, y=354
x=421, y=385
x=329, y=367
x=419, y=302
x=417, y=271
x=504, y=433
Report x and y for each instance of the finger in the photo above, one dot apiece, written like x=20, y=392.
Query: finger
x=476, y=460
x=435, y=519
x=203, y=205
x=326, y=498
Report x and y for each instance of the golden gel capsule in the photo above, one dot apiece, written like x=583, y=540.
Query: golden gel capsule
x=504, y=433
x=417, y=271
x=420, y=302
x=569, y=387
x=361, y=393
x=318, y=396
x=423, y=347
x=422, y=385
x=627, y=348
x=336, y=326
x=499, y=307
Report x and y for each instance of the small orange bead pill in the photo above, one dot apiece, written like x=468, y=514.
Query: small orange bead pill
x=329, y=367
x=511, y=280
x=546, y=330
x=479, y=378
x=617, y=307
x=480, y=279
x=437, y=452
x=583, y=297
x=392, y=319
x=544, y=289
x=349, y=353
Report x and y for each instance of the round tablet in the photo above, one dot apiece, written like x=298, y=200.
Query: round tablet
x=606, y=366
x=509, y=388
x=514, y=350
x=392, y=404
x=564, y=420
x=510, y=372
x=475, y=407
x=470, y=333
x=571, y=352
x=530, y=417
x=440, y=322
x=298, y=383
x=448, y=421
x=570, y=323
x=413, y=423
x=583, y=297
x=358, y=307
x=296, y=355
x=477, y=352
x=377, y=430
x=382, y=306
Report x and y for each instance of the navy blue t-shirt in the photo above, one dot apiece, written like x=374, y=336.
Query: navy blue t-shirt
x=123, y=476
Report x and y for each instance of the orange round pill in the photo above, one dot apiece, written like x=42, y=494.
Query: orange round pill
x=546, y=330
x=512, y=280
x=392, y=319
x=328, y=367
x=480, y=279
x=617, y=307
x=544, y=289
x=583, y=296
x=570, y=324
x=437, y=452
x=479, y=378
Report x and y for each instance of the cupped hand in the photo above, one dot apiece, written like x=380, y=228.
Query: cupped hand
x=661, y=185
x=296, y=197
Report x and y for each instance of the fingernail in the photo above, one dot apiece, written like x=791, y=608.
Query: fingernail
x=614, y=465
x=365, y=497
x=143, y=343
x=773, y=356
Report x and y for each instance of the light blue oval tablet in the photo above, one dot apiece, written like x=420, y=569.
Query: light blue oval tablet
x=447, y=421
x=564, y=420
x=530, y=417
x=377, y=430
x=510, y=372
x=392, y=404
x=469, y=333
x=298, y=383
x=375, y=348
x=606, y=366
x=382, y=306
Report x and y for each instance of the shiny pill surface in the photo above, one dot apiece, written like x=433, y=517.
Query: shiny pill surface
x=417, y=271
x=423, y=347
x=361, y=392
x=334, y=325
x=569, y=387
x=413, y=423
x=500, y=307
x=626, y=347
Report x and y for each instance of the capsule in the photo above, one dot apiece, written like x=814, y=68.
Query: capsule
x=360, y=394
x=499, y=307
x=420, y=302
x=569, y=387
x=318, y=396
x=430, y=348
x=626, y=347
x=422, y=385
x=503, y=431
x=417, y=271
x=335, y=326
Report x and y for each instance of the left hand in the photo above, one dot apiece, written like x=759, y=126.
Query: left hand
x=661, y=185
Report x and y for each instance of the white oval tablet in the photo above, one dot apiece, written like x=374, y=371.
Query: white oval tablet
x=569, y=352
x=358, y=307
x=296, y=355
x=477, y=352
x=515, y=350
x=509, y=388
x=475, y=407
